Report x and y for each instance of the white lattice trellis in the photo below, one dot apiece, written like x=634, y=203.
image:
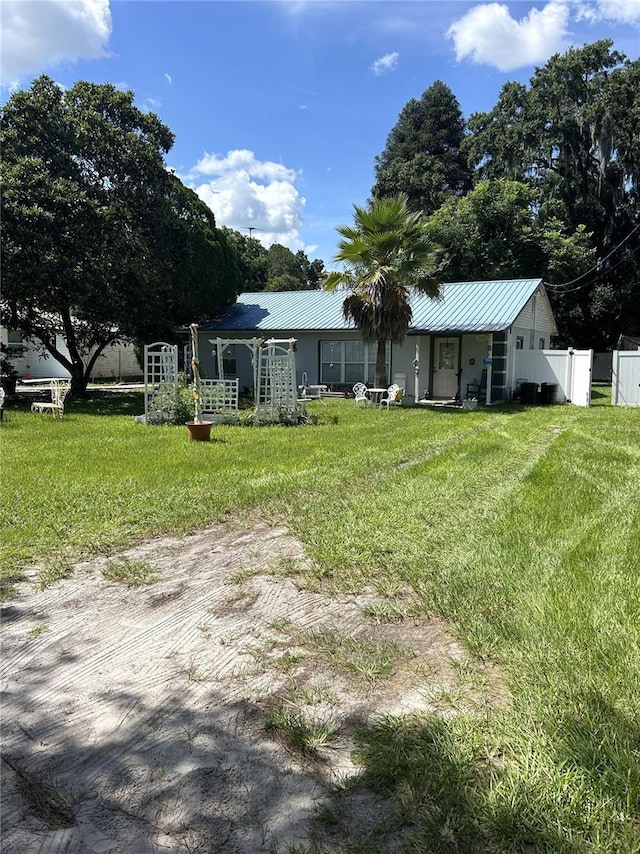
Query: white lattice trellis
x=220, y=399
x=160, y=381
x=276, y=390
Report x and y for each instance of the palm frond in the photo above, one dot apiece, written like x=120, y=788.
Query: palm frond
x=385, y=252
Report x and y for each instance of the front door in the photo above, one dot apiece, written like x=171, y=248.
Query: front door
x=445, y=367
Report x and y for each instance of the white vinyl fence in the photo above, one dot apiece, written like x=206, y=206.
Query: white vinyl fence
x=625, y=380
x=570, y=370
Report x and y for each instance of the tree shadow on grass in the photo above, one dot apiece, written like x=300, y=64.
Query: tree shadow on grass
x=598, y=740
x=601, y=394
x=442, y=794
x=101, y=402
x=97, y=402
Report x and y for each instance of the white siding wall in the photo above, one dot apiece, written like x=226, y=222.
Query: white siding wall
x=534, y=321
x=116, y=363
x=34, y=364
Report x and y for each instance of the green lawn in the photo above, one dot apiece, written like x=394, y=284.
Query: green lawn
x=521, y=526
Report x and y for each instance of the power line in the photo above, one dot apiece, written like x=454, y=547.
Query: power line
x=594, y=268
x=599, y=275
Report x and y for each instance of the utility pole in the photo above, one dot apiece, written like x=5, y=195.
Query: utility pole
x=251, y=229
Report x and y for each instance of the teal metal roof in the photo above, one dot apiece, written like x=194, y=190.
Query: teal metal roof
x=488, y=306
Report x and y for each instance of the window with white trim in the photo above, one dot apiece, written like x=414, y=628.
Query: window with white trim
x=349, y=362
x=14, y=338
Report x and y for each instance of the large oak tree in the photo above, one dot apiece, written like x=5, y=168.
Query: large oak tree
x=100, y=241
x=497, y=231
x=574, y=136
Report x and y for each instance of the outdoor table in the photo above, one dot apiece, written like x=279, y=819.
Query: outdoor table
x=376, y=394
x=318, y=389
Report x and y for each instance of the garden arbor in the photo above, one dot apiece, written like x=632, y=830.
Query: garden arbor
x=274, y=374
x=274, y=381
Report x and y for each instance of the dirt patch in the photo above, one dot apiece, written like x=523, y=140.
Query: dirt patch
x=212, y=710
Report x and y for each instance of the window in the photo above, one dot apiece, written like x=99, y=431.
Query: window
x=14, y=338
x=348, y=362
x=229, y=368
x=541, y=343
x=229, y=361
x=447, y=355
x=519, y=342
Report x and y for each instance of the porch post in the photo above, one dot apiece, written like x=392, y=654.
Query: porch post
x=416, y=371
x=489, y=368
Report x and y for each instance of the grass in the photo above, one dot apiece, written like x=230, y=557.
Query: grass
x=300, y=735
x=131, y=573
x=368, y=660
x=519, y=525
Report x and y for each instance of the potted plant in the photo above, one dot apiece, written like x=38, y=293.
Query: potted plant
x=199, y=430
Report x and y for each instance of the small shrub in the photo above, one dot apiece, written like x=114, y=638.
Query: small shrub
x=183, y=405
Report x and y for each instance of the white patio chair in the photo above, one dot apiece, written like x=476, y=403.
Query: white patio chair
x=393, y=396
x=59, y=390
x=360, y=393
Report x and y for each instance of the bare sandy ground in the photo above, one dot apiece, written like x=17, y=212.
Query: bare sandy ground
x=133, y=719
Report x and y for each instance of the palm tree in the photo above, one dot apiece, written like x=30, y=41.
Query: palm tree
x=384, y=253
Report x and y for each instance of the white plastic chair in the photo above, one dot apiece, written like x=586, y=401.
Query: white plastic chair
x=394, y=396
x=360, y=394
x=59, y=391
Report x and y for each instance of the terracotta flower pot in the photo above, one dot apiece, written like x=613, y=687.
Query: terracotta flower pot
x=199, y=432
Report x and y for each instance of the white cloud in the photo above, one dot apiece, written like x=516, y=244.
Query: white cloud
x=151, y=105
x=167, y=77
x=245, y=192
x=488, y=34
x=620, y=11
x=38, y=34
x=385, y=63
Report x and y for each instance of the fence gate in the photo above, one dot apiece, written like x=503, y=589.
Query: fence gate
x=160, y=381
x=570, y=370
x=580, y=387
x=625, y=378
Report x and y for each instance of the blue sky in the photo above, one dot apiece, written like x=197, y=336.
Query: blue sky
x=279, y=108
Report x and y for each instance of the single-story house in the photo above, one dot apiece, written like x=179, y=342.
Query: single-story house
x=31, y=361
x=473, y=326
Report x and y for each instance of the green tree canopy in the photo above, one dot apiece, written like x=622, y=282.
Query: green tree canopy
x=252, y=259
x=276, y=268
x=497, y=231
x=423, y=157
x=99, y=240
x=384, y=254
x=574, y=135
